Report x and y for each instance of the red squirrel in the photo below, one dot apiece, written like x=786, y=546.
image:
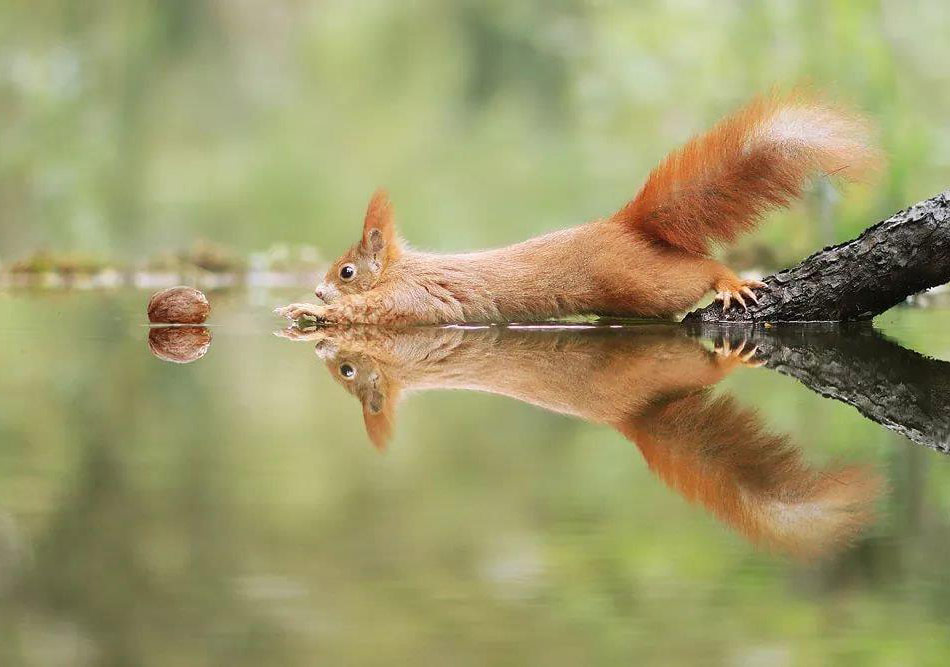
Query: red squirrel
x=649, y=259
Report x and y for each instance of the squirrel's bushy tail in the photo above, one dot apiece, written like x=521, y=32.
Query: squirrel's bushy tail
x=718, y=184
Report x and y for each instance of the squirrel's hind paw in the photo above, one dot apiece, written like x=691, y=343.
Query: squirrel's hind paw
x=739, y=290
x=743, y=354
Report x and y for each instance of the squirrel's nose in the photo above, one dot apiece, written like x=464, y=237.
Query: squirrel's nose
x=319, y=292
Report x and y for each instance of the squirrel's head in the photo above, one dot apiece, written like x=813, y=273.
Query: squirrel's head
x=361, y=267
x=363, y=377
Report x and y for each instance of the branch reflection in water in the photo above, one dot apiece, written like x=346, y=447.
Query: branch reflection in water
x=856, y=364
x=653, y=384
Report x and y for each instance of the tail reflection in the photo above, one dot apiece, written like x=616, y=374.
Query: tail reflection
x=717, y=454
x=651, y=384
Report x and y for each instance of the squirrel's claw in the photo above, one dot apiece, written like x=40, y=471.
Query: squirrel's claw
x=740, y=354
x=294, y=332
x=726, y=296
x=749, y=293
x=296, y=311
x=740, y=290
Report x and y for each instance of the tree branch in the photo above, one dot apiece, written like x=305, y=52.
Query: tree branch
x=905, y=254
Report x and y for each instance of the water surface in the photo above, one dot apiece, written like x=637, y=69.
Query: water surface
x=591, y=496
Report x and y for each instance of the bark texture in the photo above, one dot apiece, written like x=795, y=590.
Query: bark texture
x=889, y=384
x=905, y=254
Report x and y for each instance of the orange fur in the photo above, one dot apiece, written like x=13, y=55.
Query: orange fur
x=718, y=184
x=650, y=385
x=713, y=188
x=718, y=455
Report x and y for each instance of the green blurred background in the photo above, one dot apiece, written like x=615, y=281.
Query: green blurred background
x=233, y=512
x=133, y=128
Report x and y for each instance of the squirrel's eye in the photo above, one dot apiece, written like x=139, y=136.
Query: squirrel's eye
x=347, y=272
x=347, y=371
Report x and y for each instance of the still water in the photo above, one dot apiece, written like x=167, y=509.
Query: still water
x=589, y=496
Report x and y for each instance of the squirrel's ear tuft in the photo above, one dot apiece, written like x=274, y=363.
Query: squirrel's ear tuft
x=379, y=232
x=378, y=416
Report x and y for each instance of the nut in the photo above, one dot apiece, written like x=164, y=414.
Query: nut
x=178, y=305
x=180, y=345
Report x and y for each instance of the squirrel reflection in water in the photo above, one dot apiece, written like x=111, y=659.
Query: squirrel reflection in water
x=653, y=385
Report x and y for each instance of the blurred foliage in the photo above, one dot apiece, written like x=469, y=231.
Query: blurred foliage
x=66, y=263
x=139, y=126
x=203, y=255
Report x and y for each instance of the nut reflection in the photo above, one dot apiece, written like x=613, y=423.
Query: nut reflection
x=180, y=345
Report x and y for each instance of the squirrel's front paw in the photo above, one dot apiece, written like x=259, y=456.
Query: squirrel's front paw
x=297, y=311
